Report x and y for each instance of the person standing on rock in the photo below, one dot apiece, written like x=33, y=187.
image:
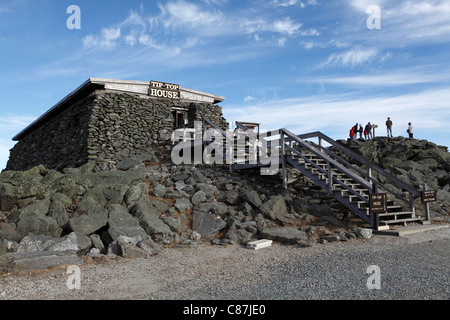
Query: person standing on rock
x=410, y=130
x=368, y=131
x=360, y=131
x=389, y=127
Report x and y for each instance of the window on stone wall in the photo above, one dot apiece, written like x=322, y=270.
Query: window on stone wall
x=180, y=118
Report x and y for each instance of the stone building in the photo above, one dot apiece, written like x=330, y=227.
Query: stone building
x=107, y=120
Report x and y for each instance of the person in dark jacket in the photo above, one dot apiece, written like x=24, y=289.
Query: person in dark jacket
x=368, y=131
x=360, y=131
x=389, y=127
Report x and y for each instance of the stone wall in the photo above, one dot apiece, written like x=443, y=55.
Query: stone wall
x=197, y=111
x=104, y=128
x=124, y=125
x=60, y=142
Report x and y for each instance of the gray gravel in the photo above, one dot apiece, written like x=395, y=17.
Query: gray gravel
x=412, y=267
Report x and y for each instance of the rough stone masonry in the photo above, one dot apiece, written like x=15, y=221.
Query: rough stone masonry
x=106, y=121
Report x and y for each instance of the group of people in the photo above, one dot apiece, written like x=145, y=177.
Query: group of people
x=358, y=128
x=367, y=130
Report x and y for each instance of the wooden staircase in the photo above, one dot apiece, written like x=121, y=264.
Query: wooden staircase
x=353, y=194
x=352, y=184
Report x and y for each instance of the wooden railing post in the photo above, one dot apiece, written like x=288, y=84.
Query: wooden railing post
x=283, y=164
x=426, y=206
x=330, y=178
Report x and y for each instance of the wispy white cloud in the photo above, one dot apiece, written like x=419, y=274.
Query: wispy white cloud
x=351, y=58
x=288, y=3
x=180, y=21
x=106, y=40
x=12, y=122
x=407, y=21
x=182, y=14
x=283, y=26
x=403, y=77
x=333, y=114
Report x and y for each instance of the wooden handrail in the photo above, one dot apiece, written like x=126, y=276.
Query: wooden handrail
x=396, y=181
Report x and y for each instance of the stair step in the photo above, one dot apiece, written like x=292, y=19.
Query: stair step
x=390, y=214
x=401, y=221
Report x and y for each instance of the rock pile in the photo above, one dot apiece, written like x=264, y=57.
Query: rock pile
x=144, y=206
x=148, y=204
x=413, y=161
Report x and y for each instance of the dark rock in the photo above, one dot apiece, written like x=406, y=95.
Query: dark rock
x=198, y=197
x=274, y=207
x=183, y=204
x=231, y=197
x=209, y=190
x=333, y=221
x=207, y=224
x=283, y=234
x=159, y=190
x=332, y=238
x=217, y=208
x=8, y=232
x=173, y=223
x=127, y=164
x=252, y=197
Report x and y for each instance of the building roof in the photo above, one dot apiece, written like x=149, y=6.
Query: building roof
x=128, y=86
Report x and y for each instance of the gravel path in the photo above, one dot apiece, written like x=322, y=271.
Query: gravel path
x=411, y=267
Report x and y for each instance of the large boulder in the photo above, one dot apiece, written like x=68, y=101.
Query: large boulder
x=77, y=242
x=208, y=225
x=89, y=222
x=149, y=220
x=105, y=194
x=134, y=193
x=274, y=207
x=122, y=223
x=58, y=209
x=33, y=219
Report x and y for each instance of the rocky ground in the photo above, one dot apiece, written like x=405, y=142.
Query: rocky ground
x=147, y=204
x=414, y=161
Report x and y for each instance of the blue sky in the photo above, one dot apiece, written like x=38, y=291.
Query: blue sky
x=306, y=65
